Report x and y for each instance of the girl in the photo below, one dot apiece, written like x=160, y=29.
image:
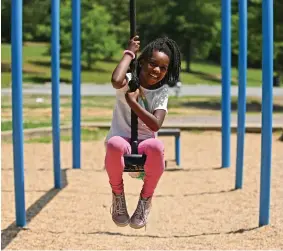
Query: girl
x=158, y=67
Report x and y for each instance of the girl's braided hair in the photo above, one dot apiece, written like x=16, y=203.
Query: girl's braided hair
x=171, y=49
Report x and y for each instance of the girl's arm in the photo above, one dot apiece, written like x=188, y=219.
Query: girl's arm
x=119, y=74
x=153, y=121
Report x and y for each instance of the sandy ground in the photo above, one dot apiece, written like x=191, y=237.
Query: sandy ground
x=196, y=208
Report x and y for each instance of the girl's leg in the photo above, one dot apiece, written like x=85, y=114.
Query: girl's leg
x=116, y=147
x=154, y=165
x=153, y=168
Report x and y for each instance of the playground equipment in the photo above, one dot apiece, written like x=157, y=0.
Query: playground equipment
x=76, y=81
x=267, y=100
x=177, y=134
x=226, y=80
x=267, y=103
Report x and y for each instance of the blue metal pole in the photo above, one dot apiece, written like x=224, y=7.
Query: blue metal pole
x=226, y=76
x=17, y=115
x=55, y=55
x=76, y=71
x=267, y=103
x=242, y=66
x=177, y=150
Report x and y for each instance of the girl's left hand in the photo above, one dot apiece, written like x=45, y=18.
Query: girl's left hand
x=132, y=96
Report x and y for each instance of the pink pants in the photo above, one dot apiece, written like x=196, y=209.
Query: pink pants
x=117, y=146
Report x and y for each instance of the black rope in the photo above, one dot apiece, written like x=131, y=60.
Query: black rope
x=133, y=83
x=132, y=18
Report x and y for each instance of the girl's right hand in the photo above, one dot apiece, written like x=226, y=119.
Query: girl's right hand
x=134, y=44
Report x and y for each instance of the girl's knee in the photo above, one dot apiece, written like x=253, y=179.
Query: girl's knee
x=117, y=144
x=155, y=146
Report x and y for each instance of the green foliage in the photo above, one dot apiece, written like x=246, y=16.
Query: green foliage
x=255, y=33
x=152, y=19
x=97, y=41
x=5, y=20
x=278, y=36
x=37, y=16
x=194, y=25
x=119, y=12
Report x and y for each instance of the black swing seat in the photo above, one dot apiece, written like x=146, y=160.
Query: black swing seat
x=134, y=162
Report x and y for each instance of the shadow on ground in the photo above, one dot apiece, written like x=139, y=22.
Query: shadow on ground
x=206, y=76
x=40, y=79
x=239, y=231
x=11, y=232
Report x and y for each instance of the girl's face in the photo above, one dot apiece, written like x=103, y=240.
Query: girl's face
x=154, y=69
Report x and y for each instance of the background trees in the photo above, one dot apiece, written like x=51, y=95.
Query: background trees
x=195, y=25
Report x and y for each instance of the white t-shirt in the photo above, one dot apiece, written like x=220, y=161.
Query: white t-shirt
x=121, y=120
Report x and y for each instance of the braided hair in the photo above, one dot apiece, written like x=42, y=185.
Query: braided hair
x=171, y=49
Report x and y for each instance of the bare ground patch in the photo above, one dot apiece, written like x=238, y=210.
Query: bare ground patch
x=196, y=208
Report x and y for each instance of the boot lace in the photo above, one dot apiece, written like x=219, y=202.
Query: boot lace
x=140, y=212
x=118, y=206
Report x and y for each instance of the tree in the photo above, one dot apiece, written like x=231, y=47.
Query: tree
x=152, y=19
x=255, y=34
x=97, y=42
x=5, y=20
x=194, y=25
x=36, y=20
x=119, y=12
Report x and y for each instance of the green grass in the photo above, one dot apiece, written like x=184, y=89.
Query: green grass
x=7, y=125
x=37, y=69
x=212, y=73
x=86, y=135
x=29, y=101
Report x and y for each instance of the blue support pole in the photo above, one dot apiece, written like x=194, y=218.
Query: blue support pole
x=177, y=150
x=242, y=66
x=267, y=107
x=17, y=109
x=76, y=71
x=226, y=76
x=55, y=56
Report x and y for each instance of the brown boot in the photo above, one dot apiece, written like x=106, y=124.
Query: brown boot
x=120, y=214
x=139, y=218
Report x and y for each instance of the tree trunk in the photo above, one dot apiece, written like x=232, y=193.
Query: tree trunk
x=188, y=56
x=89, y=63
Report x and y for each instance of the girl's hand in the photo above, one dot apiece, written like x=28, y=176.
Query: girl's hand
x=132, y=96
x=134, y=44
